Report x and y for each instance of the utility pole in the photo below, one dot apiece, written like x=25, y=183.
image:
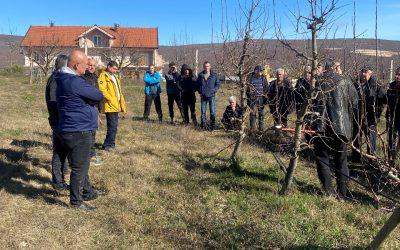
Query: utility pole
x=30, y=68
x=376, y=36
x=391, y=70
x=196, y=66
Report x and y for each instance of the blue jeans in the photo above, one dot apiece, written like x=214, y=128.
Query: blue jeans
x=112, y=125
x=211, y=103
x=256, y=105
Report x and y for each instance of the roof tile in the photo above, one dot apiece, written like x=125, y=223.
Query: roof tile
x=67, y=36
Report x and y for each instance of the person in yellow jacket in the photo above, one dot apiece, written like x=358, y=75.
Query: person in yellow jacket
x=113, y=102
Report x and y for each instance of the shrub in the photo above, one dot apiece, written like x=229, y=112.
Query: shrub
x=13, y=70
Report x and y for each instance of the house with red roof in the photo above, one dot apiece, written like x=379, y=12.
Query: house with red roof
x=133, y=47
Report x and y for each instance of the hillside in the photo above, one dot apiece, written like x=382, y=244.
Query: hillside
x=276, y=55
x=7, y=56
x=167, y=188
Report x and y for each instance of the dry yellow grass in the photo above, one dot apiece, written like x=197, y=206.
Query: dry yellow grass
x=164, y=189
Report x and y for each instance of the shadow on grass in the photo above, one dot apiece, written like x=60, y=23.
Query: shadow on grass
x=26, y=144
x=16, y=178
x=226, y=176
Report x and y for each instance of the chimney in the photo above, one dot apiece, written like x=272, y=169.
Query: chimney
x=51, y=23
x=115, y=28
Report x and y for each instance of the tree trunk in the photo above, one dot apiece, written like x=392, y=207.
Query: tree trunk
x=30, y=69
x=242, y=134
x=300, y=118
x=389, y=226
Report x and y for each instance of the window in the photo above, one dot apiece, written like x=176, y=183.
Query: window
x=36, y=57
x=97, y=41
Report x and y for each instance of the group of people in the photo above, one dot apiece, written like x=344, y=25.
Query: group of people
x=77, y=91
x=181, y=90
x=342, y=112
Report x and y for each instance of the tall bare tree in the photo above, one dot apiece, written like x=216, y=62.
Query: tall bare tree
x=42, y=55
x=241, y=51
x=125, y=55
x=316, y=20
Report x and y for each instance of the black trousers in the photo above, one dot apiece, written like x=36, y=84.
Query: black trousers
x=257, y=106
x=147, y=105
x=93, y=148
x=58, y=162
x=280, y=115
x=112, y=127
x=174, y=98
x=331, y=154
x=189, y=101
x=393, y=142
x=77, y=146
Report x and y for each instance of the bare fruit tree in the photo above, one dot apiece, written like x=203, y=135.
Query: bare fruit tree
x=125, y=55
x=43, y=55
x=241, y=51
x=316, y=20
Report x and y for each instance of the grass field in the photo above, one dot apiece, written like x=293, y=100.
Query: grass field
x=165, y=191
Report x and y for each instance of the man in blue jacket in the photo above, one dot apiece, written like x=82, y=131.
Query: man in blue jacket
x=78, y=118
x=152, y=91
x=208, y=84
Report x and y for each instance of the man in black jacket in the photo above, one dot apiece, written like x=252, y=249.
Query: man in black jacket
x=302, y=88
x=393, y=116
x=91, y=77
x=334, y=103
x=280, y=98
x=58, y=165
x=187, y=81
x=174, y=90
x=370, y=95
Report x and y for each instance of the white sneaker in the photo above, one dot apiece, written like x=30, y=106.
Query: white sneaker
x=96, y=161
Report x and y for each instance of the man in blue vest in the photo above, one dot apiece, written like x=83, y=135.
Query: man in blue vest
x=208, y=84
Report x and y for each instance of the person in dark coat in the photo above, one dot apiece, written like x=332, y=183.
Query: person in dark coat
x=336, y=99
x=77, y=119
x=393, y=116
x=257, y=89
x=90, y=74
x=187, y=81
x=370, y=94
x=58, y=164
x=91, y=77
x=174, y=90
x=302, y=88
x=232, y=116
x=280, y=98
x=208, y=85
